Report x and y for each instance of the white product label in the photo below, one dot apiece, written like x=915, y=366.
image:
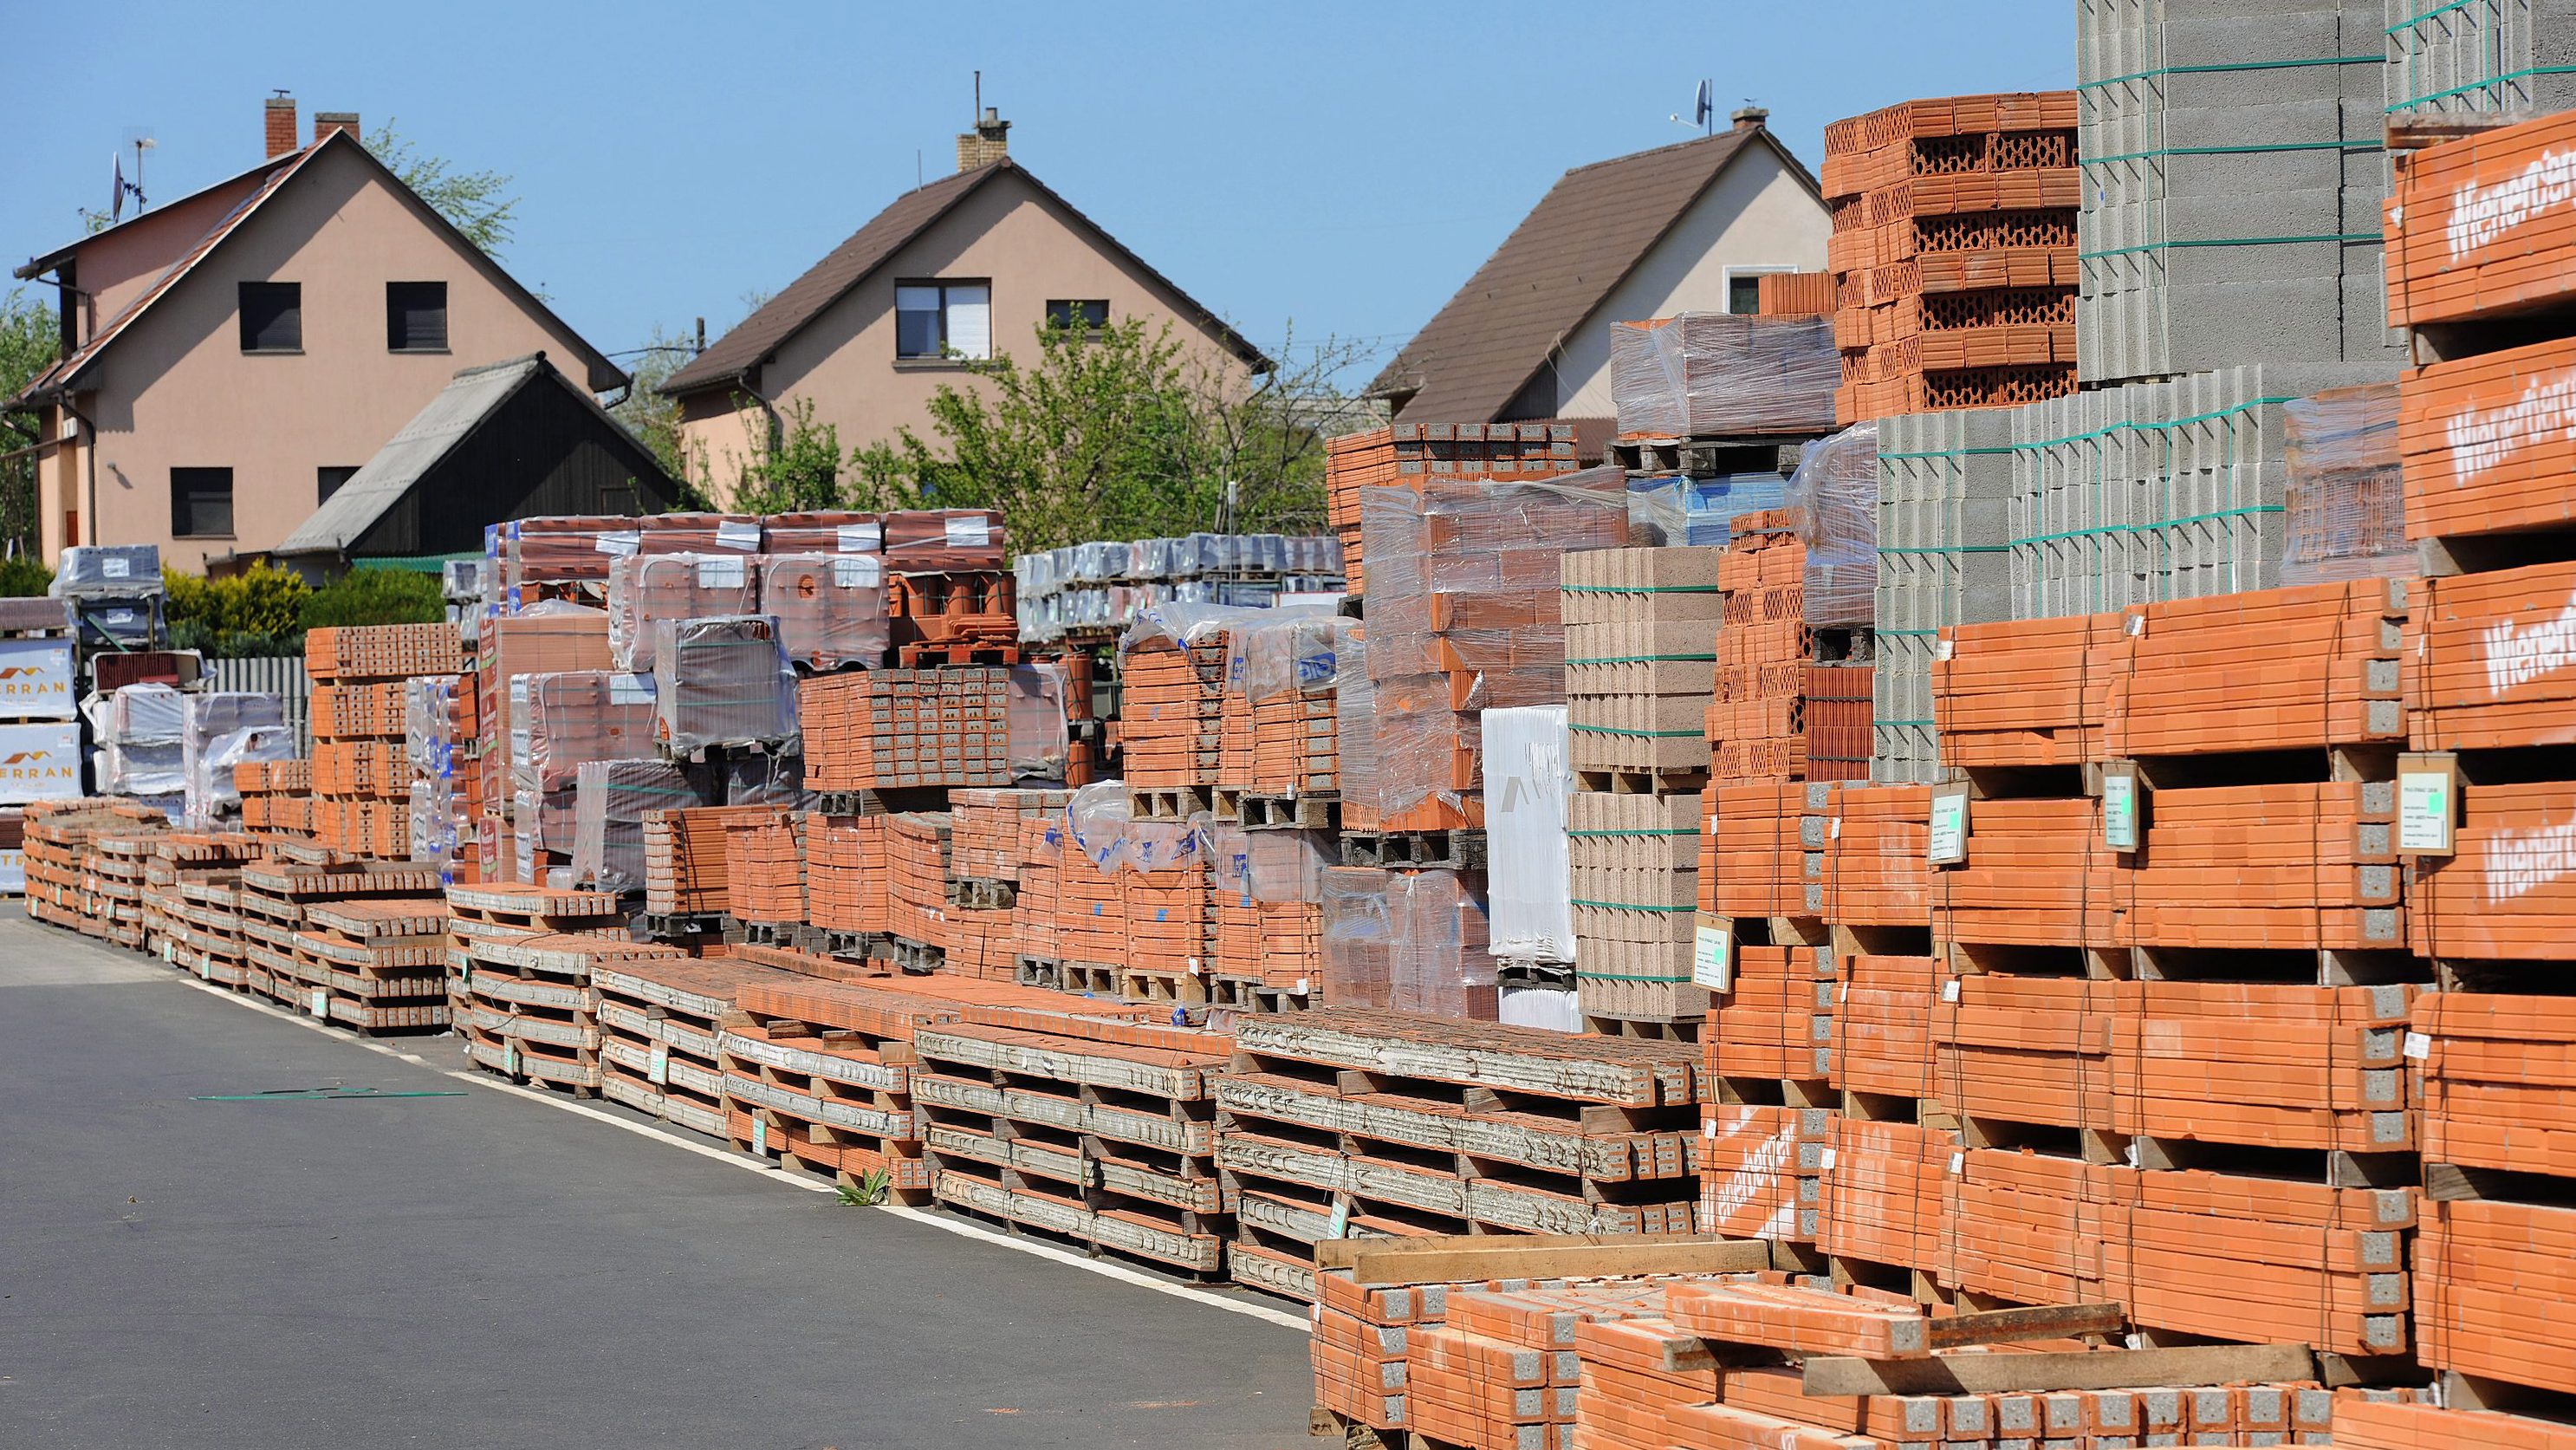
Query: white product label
x=720, y=573
x=862, y=571
x=1341, y=1220
x=1303, y=986
x=2120, y=812
x=630, y=689
x=972, y=532
x=738, y=536
x=510, y=1061
x=321, y=1003
x=1713, y=958
x=862, y=538
x=1950, y=990
x=1958, y=1161
x=1825, y=1160
x=620, y=544
x=2424, y=812
x=659, y=1065
x=760, y=1135
x=1193, y=965
x=1948, y=840
x=1941, y=649
x=2418, y=1046
x=116, y=568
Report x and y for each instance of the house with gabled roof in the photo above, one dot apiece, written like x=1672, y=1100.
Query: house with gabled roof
x=1683, y=228
x=231, y=359
x=948, y=276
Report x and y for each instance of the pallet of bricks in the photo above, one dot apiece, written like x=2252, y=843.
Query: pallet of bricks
x=1079, y=1118
x=522, y=965
x=61, y=878
x=1346, y=1121
x=1641, y=636
x=1134, y=902
x=276, y=798
x=1953, y=252
x=997, y=838
x=191, y=884
x=662, y=1017
x=361, y=774
x=1694, y=1344
x=357, y=942
x=1407, y=455
x=2481, y=249
x=1276, y=801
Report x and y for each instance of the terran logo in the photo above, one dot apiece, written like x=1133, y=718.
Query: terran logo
x=34, y=765
x=2481, y=214
x=2483, y=438
x=2516, y=657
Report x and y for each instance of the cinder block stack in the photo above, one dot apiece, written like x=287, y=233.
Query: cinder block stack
x=1953, y=253
x=2460, y=67
x=1642, y=642
x=2188, y=107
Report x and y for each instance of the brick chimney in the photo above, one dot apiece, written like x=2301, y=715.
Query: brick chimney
x=989, y=142
x=281, y=124
x=326, y=122
x=1749, y=118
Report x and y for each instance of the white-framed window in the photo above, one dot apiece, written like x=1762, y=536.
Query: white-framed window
x=1744, y=287
x=943, y=319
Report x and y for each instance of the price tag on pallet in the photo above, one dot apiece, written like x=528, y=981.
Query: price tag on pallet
x=2121, y=799
x=2428, y=803
x=1713, y=955
x=322, y=1003
x=1947, y=843
x=660, y=1065
x=760, y=1135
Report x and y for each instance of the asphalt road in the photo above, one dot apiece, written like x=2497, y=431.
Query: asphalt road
x=482, y=1270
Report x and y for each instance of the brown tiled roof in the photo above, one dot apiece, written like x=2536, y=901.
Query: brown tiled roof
x=751, y=341
x=1590, y=231
x=281, y=171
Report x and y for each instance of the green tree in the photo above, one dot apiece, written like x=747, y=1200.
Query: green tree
x=653, y=418
x=1119, y=433
x=29, y=344
x=795, y=464
x=476, y=203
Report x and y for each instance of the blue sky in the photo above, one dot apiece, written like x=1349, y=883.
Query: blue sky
x=1344, y=166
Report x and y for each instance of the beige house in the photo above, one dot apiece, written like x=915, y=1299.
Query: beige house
x=230, y=359
x=1682, y=228
x=950, y=274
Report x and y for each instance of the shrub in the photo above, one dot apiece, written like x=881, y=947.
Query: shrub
x=375, y=596
x=24, y=576
x=255, y=612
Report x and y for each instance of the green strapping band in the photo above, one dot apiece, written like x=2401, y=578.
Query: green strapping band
x=1924, y=632
x=2259, y=508
x=1627, y=906
x=2509, y=76
x=1637, y=659
x=1645, y=734
x=2238, y=65
x=1640, y=588
x=2232, y=150
x=1656, y=831
x=2233, y=242
x=2411, y=21
x=1584, y=976
x=2133, y=426
x=1920, y=724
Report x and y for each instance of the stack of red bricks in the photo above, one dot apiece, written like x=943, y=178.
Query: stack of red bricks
x=687, y=857
x=361, y=778
x=1953, y=253
x=277, y=796
x=1171, y=716
x=765, y=868
x=900, y=729
x=1410, y=454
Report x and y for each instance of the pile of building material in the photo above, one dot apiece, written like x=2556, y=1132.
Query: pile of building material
x=1089, y=590
x=1953, y=253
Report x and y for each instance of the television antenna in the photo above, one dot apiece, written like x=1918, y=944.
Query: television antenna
x=141, y=140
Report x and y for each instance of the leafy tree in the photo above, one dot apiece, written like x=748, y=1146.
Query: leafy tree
x=795, y=464
x=29, y=344
x=374, y=596
x=474, y=202
x=651, y=417
x=1119, y=433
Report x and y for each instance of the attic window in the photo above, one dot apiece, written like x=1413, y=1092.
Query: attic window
x=943, y=319
x=328, y=478
x=416, y=317
x=1092, y=317
x=272, y=317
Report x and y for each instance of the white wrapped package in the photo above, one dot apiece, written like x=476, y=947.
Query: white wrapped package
x=212, y=796
x=146, y=715
x=1528, y=780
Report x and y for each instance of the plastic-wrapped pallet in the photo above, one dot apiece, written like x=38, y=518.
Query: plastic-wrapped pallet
x=557, y=721
x=1414, y=941
x=1834, y=497
x=823, y=531
x=830, y=608
x=765, y=779
x=2346, y=497
x=610, y=799
x=1034, y=713
x=722, y=682
x=1675, y=511
x=1721, y=374
x=109, y=571
x=649, y=587
x=213, y=799
x=1528, y=780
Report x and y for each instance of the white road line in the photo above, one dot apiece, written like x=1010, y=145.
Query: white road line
x=959, y=1226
